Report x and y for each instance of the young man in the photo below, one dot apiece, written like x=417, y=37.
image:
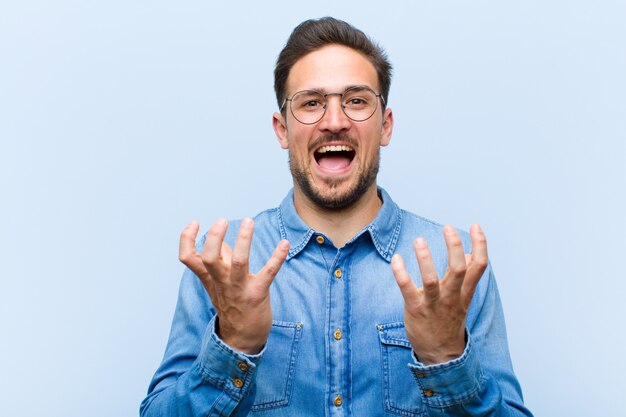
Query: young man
x=334, y=322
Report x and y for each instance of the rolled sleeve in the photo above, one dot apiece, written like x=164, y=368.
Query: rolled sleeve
x=224, y=367
x=449, y=383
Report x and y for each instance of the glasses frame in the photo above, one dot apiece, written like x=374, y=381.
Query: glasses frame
x=341, y=95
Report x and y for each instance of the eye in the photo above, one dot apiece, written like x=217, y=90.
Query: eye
x=356, y=101
x=311, y=103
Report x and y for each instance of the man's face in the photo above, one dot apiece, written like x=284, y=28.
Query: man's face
x=334, y=161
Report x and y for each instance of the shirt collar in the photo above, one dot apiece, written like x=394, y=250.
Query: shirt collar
x=384, y=230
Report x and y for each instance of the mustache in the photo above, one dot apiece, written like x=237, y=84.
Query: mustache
x=333, y=137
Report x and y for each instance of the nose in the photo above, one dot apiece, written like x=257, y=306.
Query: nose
x=334, y=120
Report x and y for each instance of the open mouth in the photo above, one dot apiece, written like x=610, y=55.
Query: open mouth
x=334, y=157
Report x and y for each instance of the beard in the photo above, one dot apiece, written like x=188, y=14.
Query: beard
x=332, y=197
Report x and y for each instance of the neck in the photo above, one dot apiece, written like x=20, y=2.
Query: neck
x=340, y=225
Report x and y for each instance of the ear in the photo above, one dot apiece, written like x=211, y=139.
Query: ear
x=387, y=127
x=280, y=128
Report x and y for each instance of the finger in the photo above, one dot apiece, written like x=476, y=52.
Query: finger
x=187, y=245
x=456, y=259
x=266, y=276
x=241, y=252
x=211, y=255
x=479, y=260
x=409, y=290
x=430, y=279
x=187, y=249
x=209, y=284
x=226, y=252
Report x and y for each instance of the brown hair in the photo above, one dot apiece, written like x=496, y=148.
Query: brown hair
x=314, y=34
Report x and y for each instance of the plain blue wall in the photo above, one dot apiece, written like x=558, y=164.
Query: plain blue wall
x=120, y=121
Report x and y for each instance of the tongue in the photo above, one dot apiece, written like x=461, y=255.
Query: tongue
x=333, y=162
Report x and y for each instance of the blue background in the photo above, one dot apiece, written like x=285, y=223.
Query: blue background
x=121, y=121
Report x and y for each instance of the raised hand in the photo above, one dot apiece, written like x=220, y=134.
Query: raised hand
x=434, y=315
x=241, y=299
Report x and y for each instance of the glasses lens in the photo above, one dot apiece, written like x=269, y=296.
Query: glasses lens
x=307, y=106
x=359, y=103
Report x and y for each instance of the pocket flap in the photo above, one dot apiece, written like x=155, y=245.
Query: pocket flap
x=393, y=334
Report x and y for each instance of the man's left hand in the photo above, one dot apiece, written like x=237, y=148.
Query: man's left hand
x=434, y=315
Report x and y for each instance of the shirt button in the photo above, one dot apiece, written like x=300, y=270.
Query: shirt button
x=420, y=374
x=338, y=401
x=428, y=392
x=243, y=366
x=337, y=334
x=337, y=273
x=238, y=383
x=320, y=239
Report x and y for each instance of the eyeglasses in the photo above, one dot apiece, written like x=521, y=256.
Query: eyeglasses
x=308, y=107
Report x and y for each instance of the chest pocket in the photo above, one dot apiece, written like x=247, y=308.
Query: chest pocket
x=401, y=394
x=275, y=373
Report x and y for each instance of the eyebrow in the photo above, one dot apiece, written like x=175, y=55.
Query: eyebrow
x=325, y=91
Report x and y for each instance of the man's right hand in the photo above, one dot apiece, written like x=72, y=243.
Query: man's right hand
x=241, y=299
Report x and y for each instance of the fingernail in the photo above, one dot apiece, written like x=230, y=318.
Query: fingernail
x=420, y=242
x=221, y=221
x=448, y=229
x=395, y=258
x=192, y=223
x=284, y=244
x=247, y=222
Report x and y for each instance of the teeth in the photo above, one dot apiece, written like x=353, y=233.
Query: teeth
x=334, y=148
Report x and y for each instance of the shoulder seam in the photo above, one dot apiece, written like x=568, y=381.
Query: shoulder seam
x=421, y=218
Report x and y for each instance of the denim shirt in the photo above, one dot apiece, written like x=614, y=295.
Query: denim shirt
x=337, y=346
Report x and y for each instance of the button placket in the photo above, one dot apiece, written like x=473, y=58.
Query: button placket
x=339, y=287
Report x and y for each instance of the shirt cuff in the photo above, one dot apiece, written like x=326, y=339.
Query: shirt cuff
x=224, y=367
x=449, y=383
